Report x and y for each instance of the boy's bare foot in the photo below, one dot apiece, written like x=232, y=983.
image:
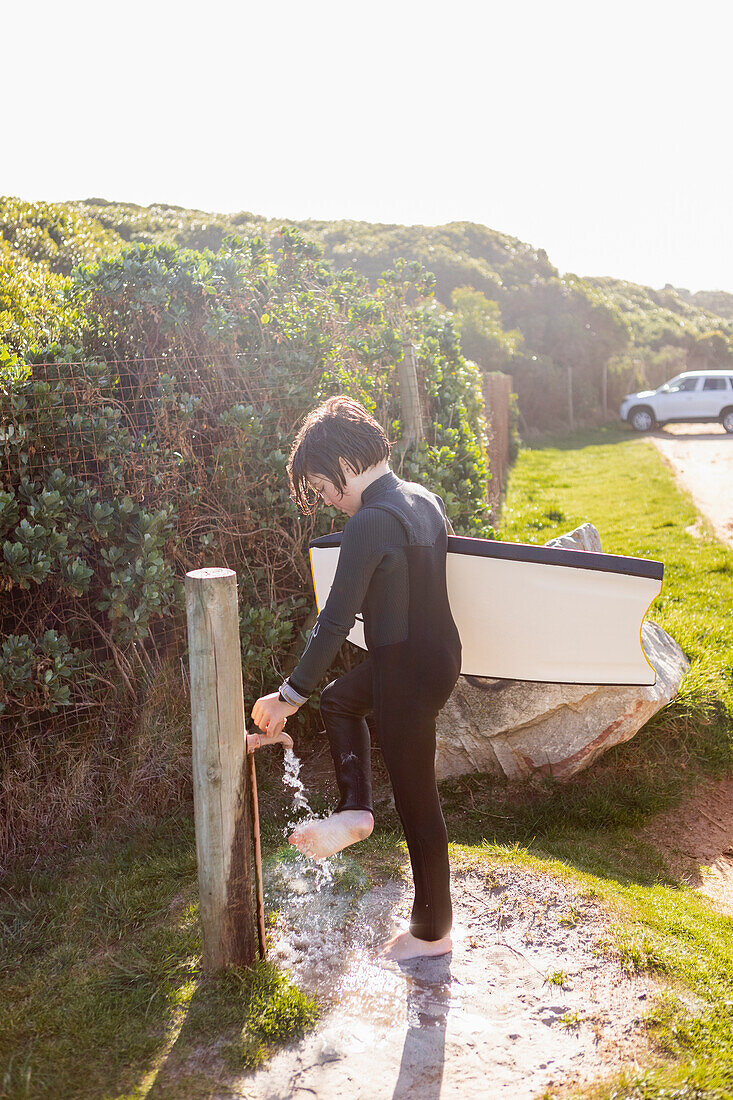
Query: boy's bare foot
x=406, y=946
x=326, y=836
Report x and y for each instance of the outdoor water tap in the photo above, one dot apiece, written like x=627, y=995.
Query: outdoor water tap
x=257, y=740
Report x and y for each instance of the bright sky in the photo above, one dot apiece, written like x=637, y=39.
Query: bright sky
x=598, y=131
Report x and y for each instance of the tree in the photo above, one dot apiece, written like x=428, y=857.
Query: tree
x=711, y=351
x=483, y=337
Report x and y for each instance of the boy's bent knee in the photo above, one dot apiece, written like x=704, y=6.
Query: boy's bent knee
x=335, y=701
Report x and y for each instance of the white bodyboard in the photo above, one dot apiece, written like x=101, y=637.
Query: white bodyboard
x=528, y=612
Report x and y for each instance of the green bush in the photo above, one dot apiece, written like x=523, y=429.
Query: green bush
x=158, y=444
x=59, y=236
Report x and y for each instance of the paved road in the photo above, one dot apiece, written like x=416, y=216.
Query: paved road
x=701, y=456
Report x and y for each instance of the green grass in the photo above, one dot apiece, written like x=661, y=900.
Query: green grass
x=556, y=977
x=102, y=987
x=101, y=984
x=590, y=828
x=100, y=980
x=619, y=483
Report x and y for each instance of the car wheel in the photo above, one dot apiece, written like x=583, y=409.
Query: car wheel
x=726, y=419
x=641, y=419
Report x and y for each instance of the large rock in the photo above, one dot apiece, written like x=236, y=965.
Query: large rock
x=585, y=537
x=516, y=727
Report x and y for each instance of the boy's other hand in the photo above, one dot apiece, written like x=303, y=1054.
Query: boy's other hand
x=270, y=714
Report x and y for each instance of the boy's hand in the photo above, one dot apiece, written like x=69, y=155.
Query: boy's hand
x=270, y=714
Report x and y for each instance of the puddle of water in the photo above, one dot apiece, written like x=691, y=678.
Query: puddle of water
x=328, y=932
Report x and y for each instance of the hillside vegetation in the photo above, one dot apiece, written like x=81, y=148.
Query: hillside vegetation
x=153, y=365
x=522, y=316
x=148, y=435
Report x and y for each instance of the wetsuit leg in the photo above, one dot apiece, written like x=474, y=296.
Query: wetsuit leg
x=406, y=731
x=407, y=744
x=406, y=734
x=344, y=703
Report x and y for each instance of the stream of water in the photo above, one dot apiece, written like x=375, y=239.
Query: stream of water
x=291, y=778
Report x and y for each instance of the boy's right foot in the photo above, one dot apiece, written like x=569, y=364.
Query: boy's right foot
x=326, y=836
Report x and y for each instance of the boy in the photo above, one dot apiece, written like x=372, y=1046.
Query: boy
x=392, y=568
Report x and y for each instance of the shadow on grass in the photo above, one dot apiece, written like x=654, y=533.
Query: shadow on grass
x=608, y=434
x=602, y=435
x=101, y=978
x=232, y=1022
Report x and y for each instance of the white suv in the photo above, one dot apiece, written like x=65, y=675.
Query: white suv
x=696, y=396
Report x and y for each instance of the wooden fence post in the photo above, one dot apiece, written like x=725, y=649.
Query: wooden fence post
x=497, y=387
x=410, y=397
x=571, y=418
x=221, y=804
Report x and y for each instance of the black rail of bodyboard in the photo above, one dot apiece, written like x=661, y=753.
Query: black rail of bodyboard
x=541, y=555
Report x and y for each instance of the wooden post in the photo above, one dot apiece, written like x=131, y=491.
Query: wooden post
x=571, y=418
x=605, y=391
x=221, y=805
x=410, y=397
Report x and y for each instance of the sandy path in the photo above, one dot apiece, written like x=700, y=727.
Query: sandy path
x=483, y=1021
x=701, y=456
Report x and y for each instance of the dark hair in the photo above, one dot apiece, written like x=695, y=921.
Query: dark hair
x=339, y=428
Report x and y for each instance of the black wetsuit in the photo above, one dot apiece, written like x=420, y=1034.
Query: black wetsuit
x=392, y=569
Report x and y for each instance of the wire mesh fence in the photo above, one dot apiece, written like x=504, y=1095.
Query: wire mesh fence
x=116, y=478
x=153, y=439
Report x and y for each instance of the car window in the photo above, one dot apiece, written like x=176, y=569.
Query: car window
x=714, y=384
x=679, y=385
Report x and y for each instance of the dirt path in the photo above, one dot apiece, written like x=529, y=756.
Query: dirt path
x=696, y=840
x=483, y=1021
x=701, y=456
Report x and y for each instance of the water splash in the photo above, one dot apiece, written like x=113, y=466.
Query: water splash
x=306, y=875
x=327, y=931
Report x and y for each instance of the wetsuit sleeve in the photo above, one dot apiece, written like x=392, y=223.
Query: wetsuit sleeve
x=369, y=533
